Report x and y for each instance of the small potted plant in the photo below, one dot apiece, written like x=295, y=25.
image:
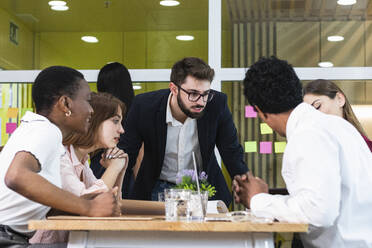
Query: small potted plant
x=186, y=179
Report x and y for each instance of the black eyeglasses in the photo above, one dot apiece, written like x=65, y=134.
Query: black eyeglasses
x=195, y=96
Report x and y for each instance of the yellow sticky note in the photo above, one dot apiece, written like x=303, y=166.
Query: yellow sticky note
x=12, y=112
x=265, y=129
x=279, y=147
x=250, y=146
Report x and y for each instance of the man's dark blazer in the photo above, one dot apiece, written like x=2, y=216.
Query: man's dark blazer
x=146, y=122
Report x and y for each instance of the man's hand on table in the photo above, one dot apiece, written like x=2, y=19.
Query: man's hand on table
x=246, y=186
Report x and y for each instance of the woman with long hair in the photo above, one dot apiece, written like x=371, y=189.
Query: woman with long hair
x=327, y=97
x=114, y=78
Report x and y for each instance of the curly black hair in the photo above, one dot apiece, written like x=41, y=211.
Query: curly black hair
x=53, y=82
x=272, y=85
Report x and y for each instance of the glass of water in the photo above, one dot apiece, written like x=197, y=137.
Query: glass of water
x=198, y=205
x=176, y=204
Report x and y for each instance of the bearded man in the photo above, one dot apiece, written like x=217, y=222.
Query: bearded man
x=172, y=124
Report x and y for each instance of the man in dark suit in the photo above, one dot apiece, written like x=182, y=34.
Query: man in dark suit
x=172, y=124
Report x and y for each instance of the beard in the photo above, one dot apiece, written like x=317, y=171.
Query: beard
x=187, y=112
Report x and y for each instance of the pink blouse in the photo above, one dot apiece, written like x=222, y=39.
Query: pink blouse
x=71, y=172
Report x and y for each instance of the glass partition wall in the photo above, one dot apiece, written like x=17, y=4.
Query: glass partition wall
x=305, y=33
x=229, y=34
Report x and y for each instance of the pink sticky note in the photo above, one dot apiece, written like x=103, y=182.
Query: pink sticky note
x=266, y=147
x=10, y=127
x=249, y=112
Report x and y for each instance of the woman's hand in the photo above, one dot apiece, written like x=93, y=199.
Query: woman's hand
x=114, y=157
x=116, y=162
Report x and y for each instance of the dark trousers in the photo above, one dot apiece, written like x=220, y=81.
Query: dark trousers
x=12, y=239
x=160, y=185
x=296, y=242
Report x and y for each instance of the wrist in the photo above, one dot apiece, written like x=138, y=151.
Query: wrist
x=258, y=200
x=86, y=207
x=117, y=167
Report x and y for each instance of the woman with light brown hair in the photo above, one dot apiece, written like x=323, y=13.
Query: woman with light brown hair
x=327, y=97
x=114, y=78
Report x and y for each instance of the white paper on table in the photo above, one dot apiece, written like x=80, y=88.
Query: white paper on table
x=216, y=207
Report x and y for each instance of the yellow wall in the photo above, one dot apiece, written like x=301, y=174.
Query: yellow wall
x=67, y=48
x=136, y=50
x=14, y=56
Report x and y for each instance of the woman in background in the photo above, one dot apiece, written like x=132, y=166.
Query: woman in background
x=327, y=97
x=114, y=78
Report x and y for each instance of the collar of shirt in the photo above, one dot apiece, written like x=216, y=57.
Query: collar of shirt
x=30, y=116
x=78, y=165
x=296, y=116
x=169, y=117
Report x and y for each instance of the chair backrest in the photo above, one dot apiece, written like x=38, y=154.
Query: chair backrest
x=278, y=191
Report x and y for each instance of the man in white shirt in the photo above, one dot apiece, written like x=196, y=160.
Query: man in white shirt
x=327, y=166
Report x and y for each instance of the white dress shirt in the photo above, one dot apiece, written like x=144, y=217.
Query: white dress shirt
x=41, y=138
x=327, y=168
x=182, y=140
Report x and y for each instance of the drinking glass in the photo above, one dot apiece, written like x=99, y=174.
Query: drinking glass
x=198, y=205
x=176, y=204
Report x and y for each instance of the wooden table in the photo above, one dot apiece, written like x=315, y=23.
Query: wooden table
x=153, y=231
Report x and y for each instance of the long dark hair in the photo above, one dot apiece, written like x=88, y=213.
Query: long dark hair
x=328, y=88
x=114, y=78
